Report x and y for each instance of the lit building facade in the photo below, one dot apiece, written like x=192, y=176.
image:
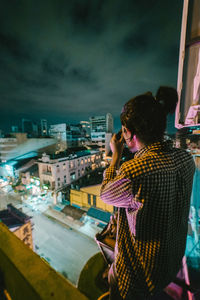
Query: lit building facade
x=102, y=140
x=59, y=132
x=60, y=172
x=86, y=128
x=101, y=131
x=75, y=136
x=88, y=197
x=102, y=123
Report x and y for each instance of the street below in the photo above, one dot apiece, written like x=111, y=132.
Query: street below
x=64, y=248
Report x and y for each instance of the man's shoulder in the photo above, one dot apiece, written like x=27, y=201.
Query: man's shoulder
x=135, y=166
x=182, y=153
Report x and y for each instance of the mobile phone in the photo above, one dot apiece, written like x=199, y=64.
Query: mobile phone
x=119, y=134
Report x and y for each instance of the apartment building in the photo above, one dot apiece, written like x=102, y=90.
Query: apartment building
x=60, y=170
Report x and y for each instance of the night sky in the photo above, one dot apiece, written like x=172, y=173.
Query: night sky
x=67, y=60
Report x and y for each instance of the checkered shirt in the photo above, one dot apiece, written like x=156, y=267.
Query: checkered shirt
x=152, y=192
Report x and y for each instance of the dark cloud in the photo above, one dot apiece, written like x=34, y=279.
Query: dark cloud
x=72, y=59
x=11, y=46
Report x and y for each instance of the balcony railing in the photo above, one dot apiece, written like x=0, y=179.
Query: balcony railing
x=27, y=276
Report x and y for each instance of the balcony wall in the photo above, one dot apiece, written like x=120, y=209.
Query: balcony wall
x=27, y=276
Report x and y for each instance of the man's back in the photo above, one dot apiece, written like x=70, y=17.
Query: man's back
x=163, y=188
x=152, y=230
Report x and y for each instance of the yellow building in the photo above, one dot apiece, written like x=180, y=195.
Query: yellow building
x=88, y=197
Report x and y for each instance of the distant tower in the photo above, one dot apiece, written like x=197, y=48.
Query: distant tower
x=101, y=131
x=86, y=128
x=109, y=123
x=44, y=128
x=27, y=126
x=102, y=123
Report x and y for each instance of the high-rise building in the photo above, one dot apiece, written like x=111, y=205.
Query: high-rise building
x=102, y=140
x=86, y=128
x=102, y=123
x=29, y=127
x=75, y=135
x=59, y=132
x=14, y=128
x=43, y=127
x=67, y=135
x=101, y=131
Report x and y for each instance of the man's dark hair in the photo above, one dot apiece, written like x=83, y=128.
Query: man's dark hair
x=146, y=115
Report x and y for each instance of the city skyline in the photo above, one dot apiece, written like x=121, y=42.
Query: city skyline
x=66, y=62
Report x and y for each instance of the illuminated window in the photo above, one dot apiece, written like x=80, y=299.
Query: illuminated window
x=81, y=161
x=73, y=176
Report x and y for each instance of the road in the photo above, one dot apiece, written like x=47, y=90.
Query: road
x=65, y=249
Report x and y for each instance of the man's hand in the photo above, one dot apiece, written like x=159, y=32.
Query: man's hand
x=117, y=146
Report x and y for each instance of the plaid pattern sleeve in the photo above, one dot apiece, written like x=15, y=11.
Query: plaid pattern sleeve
x=116, y=188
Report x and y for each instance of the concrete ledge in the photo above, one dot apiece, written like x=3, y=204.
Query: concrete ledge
x=91, y=281
x=27, y=276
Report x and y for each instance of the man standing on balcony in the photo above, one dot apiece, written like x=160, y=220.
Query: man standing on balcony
x=152, y=192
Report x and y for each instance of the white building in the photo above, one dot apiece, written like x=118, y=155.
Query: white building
x=59, y=132
x=102, y=123
x=67, y=135
x=102, y=139
x=61, y=171
x=101, y=131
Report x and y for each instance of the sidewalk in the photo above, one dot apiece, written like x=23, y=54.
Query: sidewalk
x=84, y=228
